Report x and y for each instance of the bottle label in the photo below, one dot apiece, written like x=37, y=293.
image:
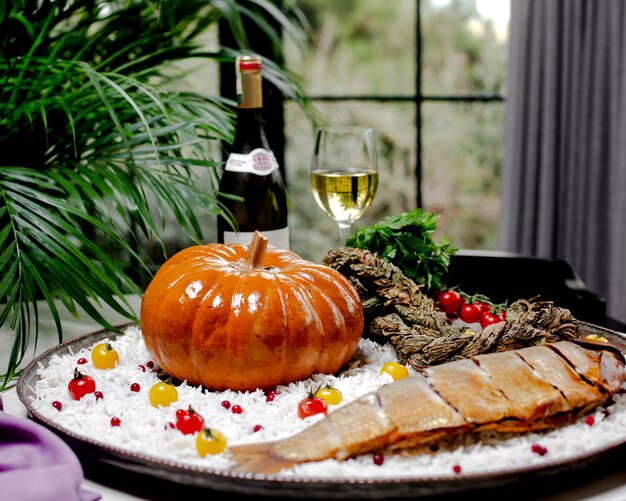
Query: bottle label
x=259, y=161
x=279, y=238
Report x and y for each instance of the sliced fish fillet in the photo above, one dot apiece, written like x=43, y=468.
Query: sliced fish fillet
x=470, y=390
x=555, y=370
x=530, y=397
x=528, y=389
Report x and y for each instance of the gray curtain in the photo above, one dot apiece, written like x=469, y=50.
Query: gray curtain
x=564, y=165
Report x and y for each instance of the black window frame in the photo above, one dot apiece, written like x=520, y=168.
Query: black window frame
x=274, y=101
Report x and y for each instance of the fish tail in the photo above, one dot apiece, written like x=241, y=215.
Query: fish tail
x=258, y=458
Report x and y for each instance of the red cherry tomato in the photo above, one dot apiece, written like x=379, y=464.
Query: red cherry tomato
x=484, y=307
x=81, y=385
x=188, y=421
x=470, y=313
x=450, y=301
x=311, y=406
x=489, y=318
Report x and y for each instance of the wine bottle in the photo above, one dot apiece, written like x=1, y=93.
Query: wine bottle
x=251, y=171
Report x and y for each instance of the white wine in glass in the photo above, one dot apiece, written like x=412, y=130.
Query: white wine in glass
x=344, y=173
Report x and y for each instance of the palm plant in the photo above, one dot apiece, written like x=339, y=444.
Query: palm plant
x=96, y=147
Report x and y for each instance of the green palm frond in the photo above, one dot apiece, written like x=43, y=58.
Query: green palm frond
x=98, y=148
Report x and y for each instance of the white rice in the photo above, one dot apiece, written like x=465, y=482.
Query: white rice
x=144, y=429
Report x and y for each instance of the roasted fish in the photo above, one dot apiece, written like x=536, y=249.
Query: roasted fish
x=533, y=388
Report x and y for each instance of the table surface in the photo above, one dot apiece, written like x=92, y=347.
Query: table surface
x=602, y=480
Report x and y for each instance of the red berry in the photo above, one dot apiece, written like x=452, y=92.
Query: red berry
x=226, y=404
x=589, y=420
x=257, y=427
x=115, y=421
x=135, y=387
x=456, y=469
x=378, y=459
x=539, y=449
x=236, y=409
x=271, y=395
x=169, y=426
x=57, y=405
x=81, y=361
x=149, y=364
x=98, y=395
x=141, y=368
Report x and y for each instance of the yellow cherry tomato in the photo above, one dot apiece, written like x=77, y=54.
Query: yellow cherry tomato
x=395, y=370
x=210, y=441
x=104, y=356
x=331, y=395
x=163, y=394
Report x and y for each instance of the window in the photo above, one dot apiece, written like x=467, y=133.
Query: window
x=429, y=77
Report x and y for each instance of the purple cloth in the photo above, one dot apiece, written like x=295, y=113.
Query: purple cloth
x=37, y=465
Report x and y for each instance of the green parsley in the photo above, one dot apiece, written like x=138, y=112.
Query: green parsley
x=405, y=241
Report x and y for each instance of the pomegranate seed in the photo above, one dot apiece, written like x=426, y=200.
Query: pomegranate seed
x=589, y=420
x=456, y=469
x=81, y=361
x=236, y=409
x=149, y=364
x=142, y=368
x=115, y=421
x=57, y=405
x=539, y=449
x=135, y=387
x=98, y=395
x=271, y=395
x=257, y=427
x=378, y=459
x=226, y=404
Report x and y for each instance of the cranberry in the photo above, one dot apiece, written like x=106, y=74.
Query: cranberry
x=98, y=395
x=257, y=427
x=135, y=387
x=141, y=368
x=149, y=364
x=589, y=420
x=169, y=426
x=378, y=459
x=539, y=449
x=226, y=404
x=57, y=405
x=81, y=361
x=271, y=395
x=456, y=469
x=115, y=421
x=236, y=409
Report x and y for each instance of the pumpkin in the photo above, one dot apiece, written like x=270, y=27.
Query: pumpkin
x=230, y=316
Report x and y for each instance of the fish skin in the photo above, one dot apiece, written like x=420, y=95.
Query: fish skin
x=529, y=396
x=600, y=367
x=397, y=416
x=469, y=389
x=555, y=370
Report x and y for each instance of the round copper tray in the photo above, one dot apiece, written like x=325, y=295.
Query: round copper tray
x=288, y=486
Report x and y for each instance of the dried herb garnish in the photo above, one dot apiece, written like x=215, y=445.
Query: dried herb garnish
x=406, y=241
x=397, y=311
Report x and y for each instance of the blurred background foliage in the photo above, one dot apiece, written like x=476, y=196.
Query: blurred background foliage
x=368, y=48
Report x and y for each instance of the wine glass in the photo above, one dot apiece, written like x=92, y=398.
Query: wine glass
x=344, y=173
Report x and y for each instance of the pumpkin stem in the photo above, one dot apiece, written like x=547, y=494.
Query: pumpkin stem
x=256, y=250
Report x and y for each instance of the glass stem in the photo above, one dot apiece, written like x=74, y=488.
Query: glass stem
x=344, y=229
